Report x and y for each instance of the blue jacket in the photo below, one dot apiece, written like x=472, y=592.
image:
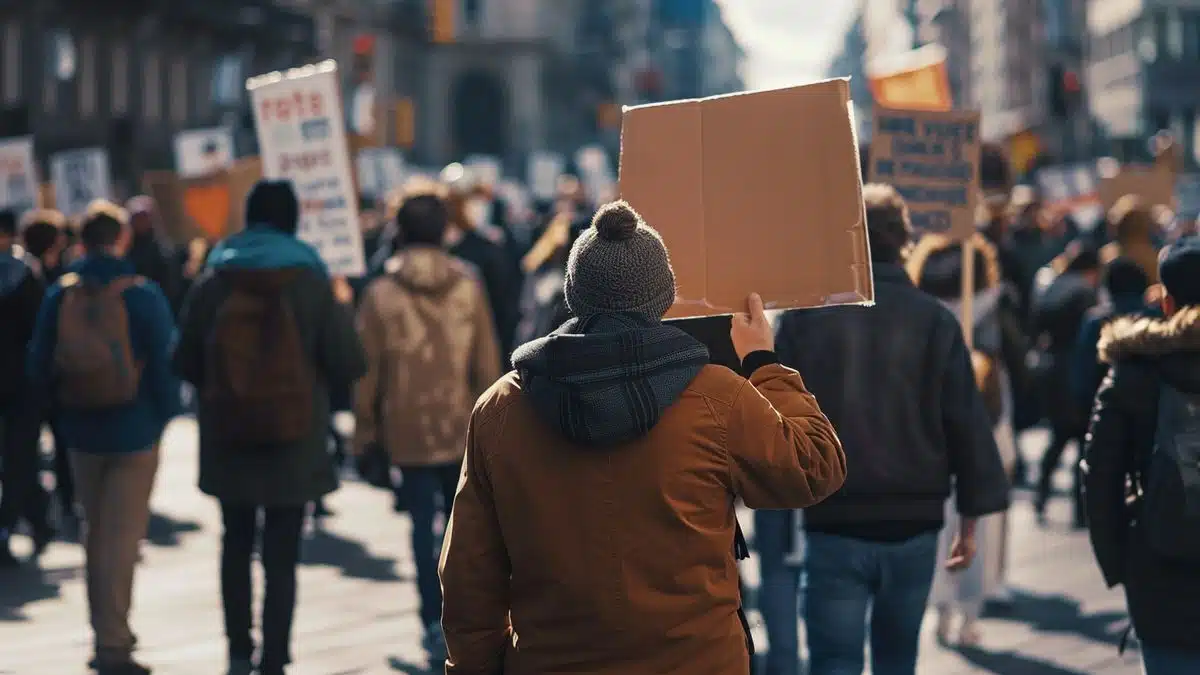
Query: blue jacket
x=264, y=247
x=138, y=425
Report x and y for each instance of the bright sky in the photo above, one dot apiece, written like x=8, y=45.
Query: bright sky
x=787, y=41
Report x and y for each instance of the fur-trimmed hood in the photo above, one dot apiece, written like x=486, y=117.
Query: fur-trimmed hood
x=936, y=255
x=1151, y=337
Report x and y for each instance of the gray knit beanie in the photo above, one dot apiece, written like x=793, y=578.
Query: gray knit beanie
x=619, y=264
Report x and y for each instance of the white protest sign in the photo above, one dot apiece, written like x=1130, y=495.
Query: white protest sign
x=380, y=170
x=595, y=172
x=485, y=169
x=18, y=179
x=545, y=168
x=79, y=176
x=201, y=152
x=298, y=115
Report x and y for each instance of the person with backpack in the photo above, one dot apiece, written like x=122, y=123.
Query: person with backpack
x=594, y=529
x=22, y=497
x=431, y=351
x=265, y=335
x=1142, y=466
x=101, y=351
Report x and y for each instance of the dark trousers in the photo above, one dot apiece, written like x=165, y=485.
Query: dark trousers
x=23, y=496
x=280, y=529
x=1061, y=433
x=419, y=491
x=64, y=478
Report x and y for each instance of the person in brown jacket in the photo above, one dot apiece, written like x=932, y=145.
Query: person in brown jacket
x=594, y=526
x=431, y=351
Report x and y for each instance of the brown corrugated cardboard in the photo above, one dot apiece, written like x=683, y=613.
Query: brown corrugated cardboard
x=754, y=192
x=211, y=206
x=932, y=159
x=1155, y=185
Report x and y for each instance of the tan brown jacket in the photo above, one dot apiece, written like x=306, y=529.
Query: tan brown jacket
x=563, y=559
x=431, y=350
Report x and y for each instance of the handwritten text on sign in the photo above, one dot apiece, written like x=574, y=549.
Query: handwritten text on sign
x=932, y=159
x=300, y=134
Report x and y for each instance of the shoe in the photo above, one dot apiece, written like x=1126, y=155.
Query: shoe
x=241, y=667
x=969, y=635
x=129, y=667
x=945, y=624
x=42, y=536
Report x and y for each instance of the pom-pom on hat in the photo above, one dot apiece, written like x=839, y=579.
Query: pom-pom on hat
x=619, y=264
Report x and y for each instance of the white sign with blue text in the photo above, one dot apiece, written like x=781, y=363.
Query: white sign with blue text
x=79, y=177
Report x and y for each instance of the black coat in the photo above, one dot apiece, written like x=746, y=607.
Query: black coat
x=1164, y=598
x=897, y=383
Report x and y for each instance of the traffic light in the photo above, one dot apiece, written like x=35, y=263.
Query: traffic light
x=1065, y=91
x=444, y=20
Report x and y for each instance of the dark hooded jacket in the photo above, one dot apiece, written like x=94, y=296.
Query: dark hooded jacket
x=613, y=443
x=286, y=476
x=1144, y=354
x=21, y=291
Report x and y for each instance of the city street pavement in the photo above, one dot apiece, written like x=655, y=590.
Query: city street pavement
x=357, y=611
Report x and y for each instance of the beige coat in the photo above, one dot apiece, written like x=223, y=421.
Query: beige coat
x=431, y=351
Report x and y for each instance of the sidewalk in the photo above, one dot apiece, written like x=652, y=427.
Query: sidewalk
x=357, y=612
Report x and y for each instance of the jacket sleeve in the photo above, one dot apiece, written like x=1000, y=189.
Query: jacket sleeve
x=158, y=336
x=28, y=300
x=485, y=350
x=981, y=486
x=475, y=571
x=783, y=452
x=339, y=350
x=1105, y=467
x=1085, y=363
x=188, y=359
x=40, y=364
x=366, y=390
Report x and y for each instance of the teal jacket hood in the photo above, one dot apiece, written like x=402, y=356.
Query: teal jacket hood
x=261, y=247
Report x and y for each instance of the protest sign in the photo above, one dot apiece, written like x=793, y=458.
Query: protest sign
x=914, y=80
x=209, y=207
x=545, y=168
x=753, y=192
x=484, y=169
x=1154, y=185
x=203, y=152
x=932, y=159
x=1072, y=189
x=379, y=170
x=1187, y=195
x=298, y=116
x=18, y=179
x=79, y=176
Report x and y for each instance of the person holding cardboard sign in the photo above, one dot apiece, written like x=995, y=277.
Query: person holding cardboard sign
x=606, y=468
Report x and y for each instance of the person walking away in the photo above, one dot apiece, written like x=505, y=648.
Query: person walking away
x=101, y=348
x=431, y=351
x=872, y=547
x=597, y=492
x=1142, y=467
x=1125, y=285
x=264, y=338
x=22, y=497
x=43, y=234
x=935, y=265
x=1059, y=312
x=148, y=252
x=1135, y=232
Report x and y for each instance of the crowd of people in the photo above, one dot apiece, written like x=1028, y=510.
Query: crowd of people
x=882, y=432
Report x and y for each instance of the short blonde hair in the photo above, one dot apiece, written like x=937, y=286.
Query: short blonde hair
x=47, y=216
x=98, y=207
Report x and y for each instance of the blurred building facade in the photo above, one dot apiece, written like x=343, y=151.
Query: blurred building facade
x=948, y=23
x=1143, y=62
x=851, y=61
x=127, y=74
x=1008, y=65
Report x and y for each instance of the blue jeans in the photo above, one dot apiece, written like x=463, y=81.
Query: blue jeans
x=419, y=492
x=1160, y=661
x=849, y=579
x=779, y=591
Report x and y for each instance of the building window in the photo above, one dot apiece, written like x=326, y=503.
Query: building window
x=120, y=79
x=227, y=80
x=152, y=87
x=87, y=77
x=12, y=62
x=179, y=90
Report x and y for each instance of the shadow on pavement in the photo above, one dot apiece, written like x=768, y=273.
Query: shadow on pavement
x=166, y=531
x=330, y=550
x=1011, y=663
x=409, y=668
x=1060, y=614
x=29, y=584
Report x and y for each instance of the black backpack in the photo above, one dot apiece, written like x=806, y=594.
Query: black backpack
x=1171, y=483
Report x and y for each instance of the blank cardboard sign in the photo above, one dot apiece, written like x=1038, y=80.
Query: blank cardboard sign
x=754, y=192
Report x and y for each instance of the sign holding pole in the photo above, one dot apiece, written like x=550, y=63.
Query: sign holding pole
x=298, y=115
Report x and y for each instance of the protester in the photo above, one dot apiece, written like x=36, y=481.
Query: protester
x=936, y=267
x=1126, y=285
x=543, y=306
x=147, y=251
x=101, y=348
x=1141, y=465
x=264, y=338
x=1058, y=315
x=431, y=351
x=22, y=497
x=896, y=381
x=606, y=468
x=1135, y=230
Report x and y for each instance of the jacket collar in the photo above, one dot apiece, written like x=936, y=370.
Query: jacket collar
x=1147, y=336
x=890, y=273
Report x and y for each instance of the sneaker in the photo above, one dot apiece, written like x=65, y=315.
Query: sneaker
x=42, y=536
x=129, y=667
